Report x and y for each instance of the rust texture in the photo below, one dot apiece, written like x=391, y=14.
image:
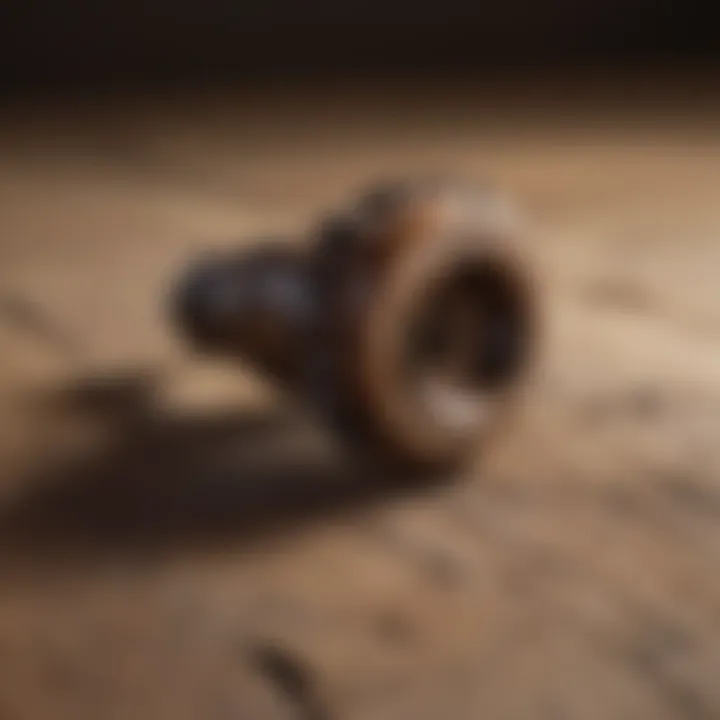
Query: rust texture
x=406, y=320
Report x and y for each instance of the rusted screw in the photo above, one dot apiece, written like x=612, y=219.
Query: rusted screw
x=407, y=320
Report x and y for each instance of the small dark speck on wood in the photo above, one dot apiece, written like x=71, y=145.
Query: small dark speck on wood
x=28, y=317
x=395, y=627
x=292, y=677
x=643, y=403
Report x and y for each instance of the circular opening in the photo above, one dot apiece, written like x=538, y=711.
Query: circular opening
x=469, y=338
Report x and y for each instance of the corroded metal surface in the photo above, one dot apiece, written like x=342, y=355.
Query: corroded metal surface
x=405, y=320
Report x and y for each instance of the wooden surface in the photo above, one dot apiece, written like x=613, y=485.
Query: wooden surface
x=176, y=545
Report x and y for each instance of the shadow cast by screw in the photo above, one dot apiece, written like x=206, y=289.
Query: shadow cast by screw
x=169, y=482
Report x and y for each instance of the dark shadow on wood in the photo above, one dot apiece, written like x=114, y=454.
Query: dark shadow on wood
x=168, y=483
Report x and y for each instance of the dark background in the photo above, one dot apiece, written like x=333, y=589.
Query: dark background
x=46, y=44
